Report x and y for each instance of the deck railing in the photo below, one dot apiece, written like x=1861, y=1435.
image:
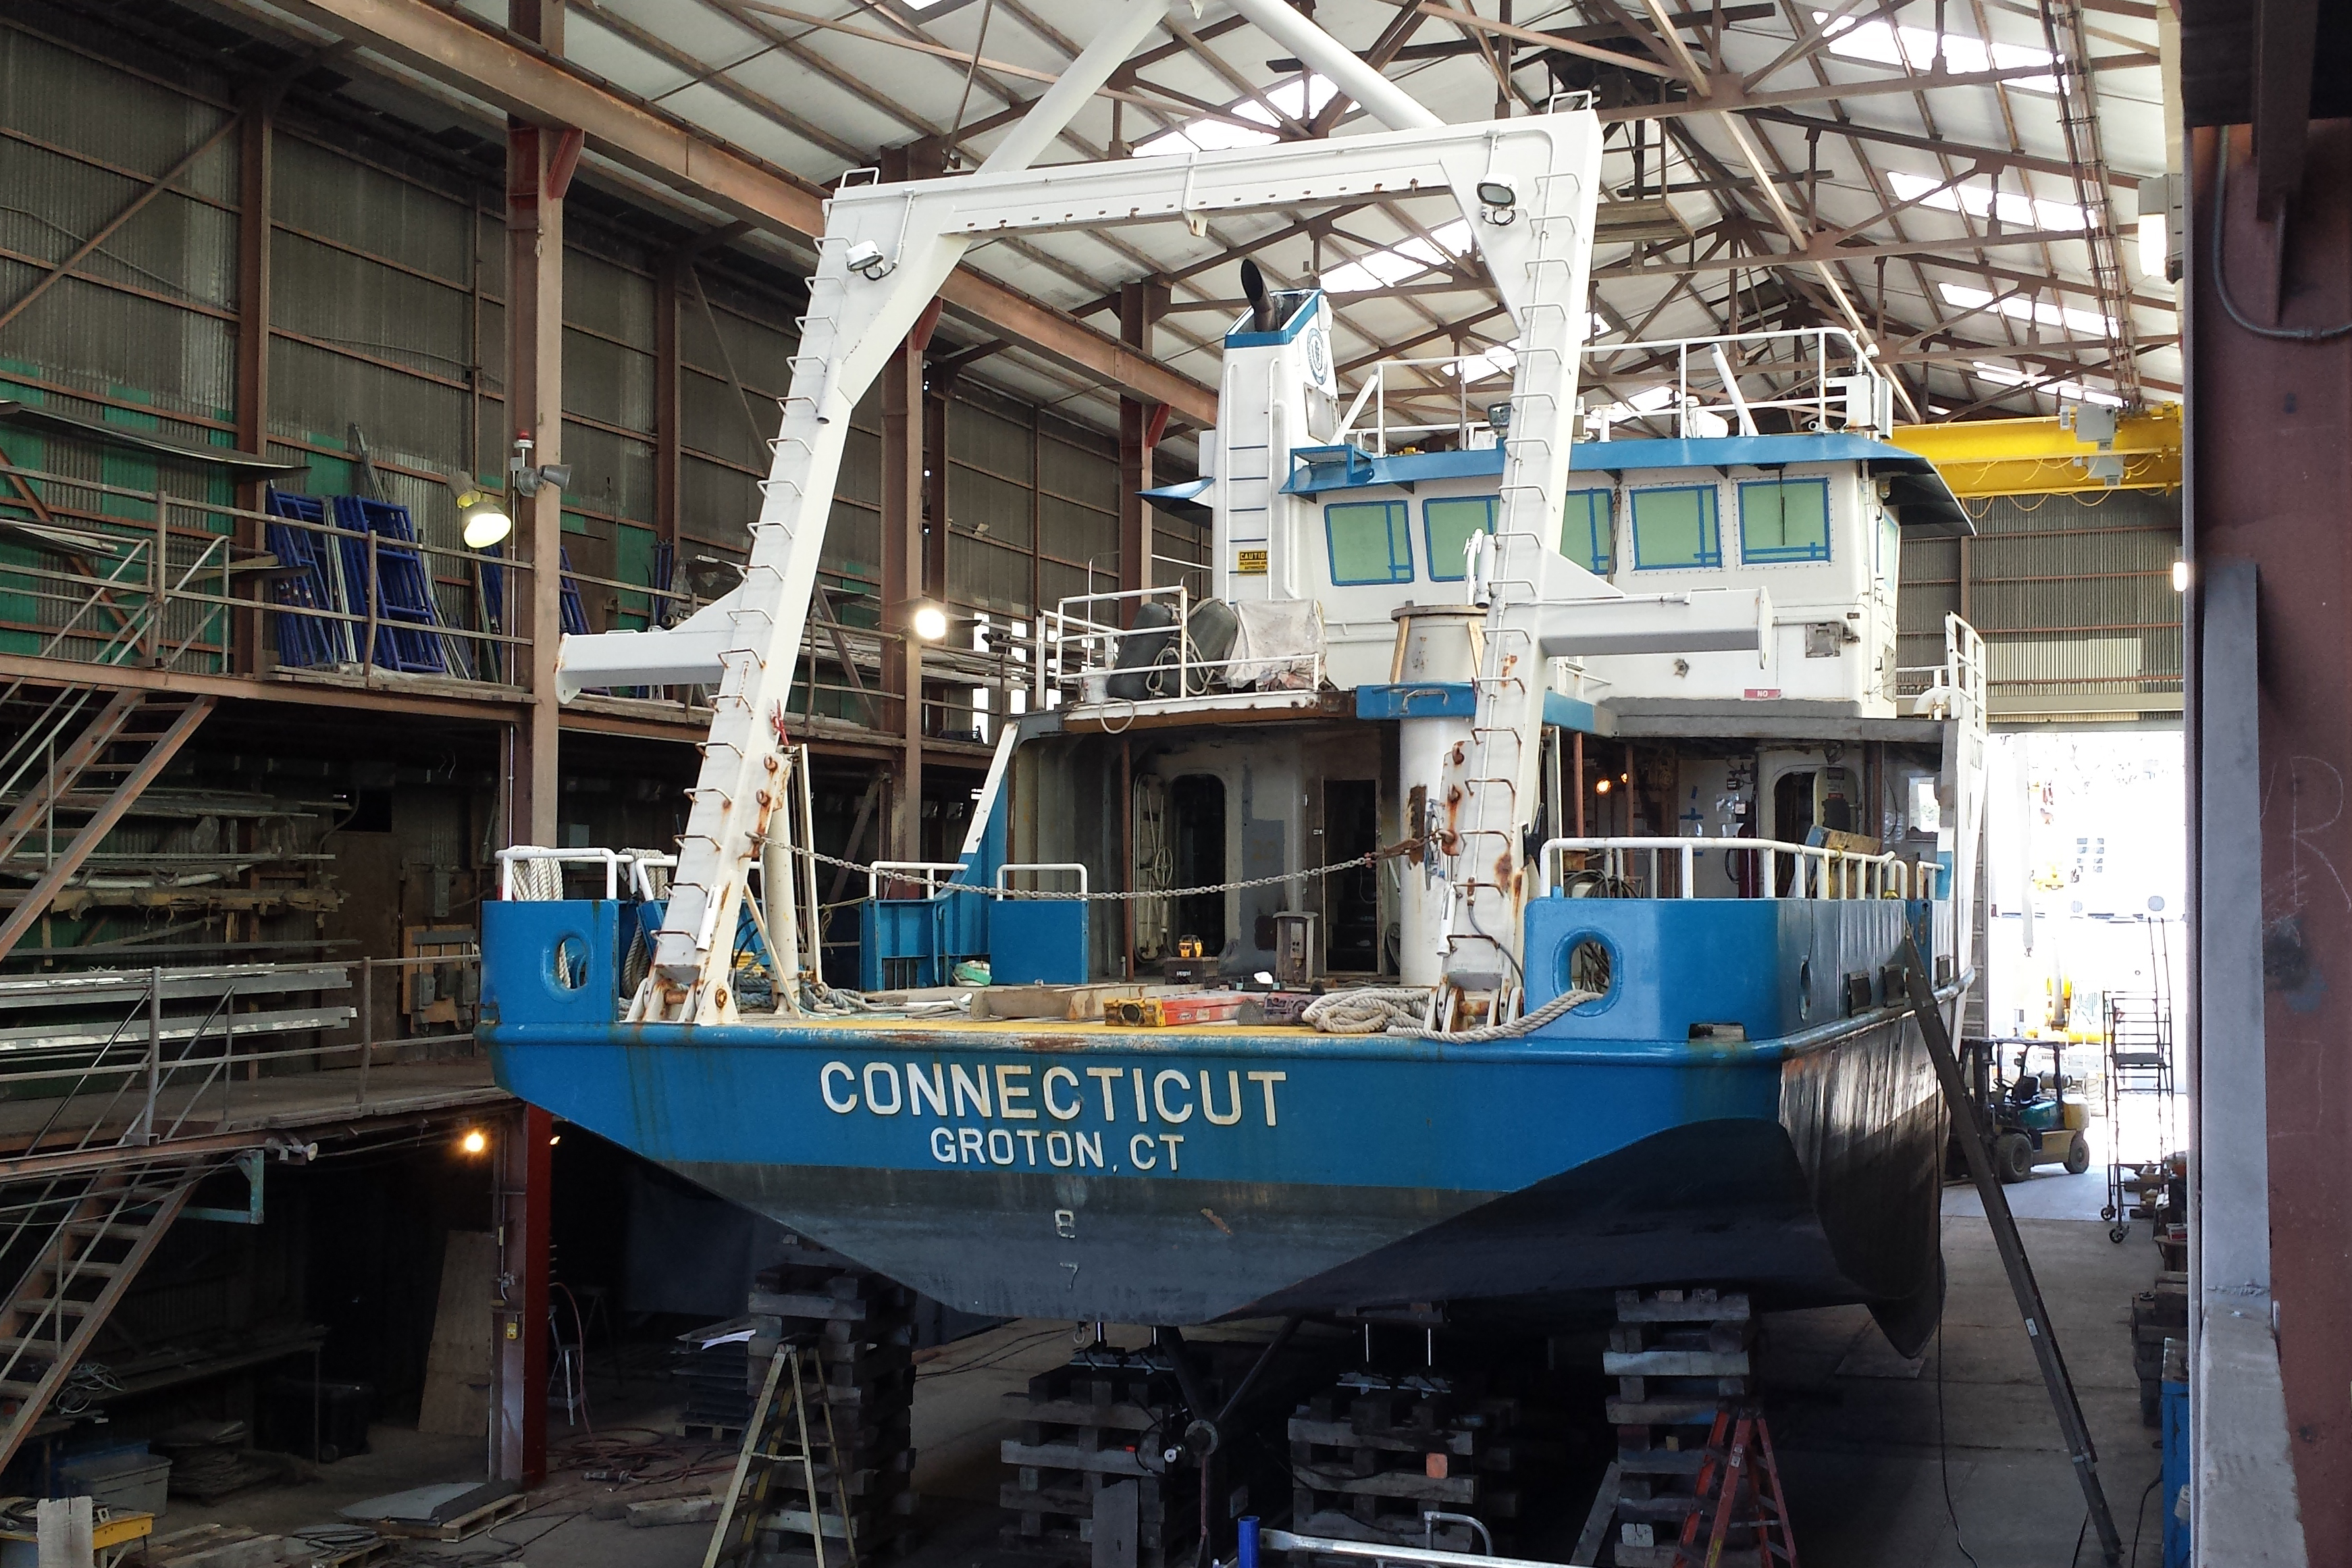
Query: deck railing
x=1077, y=650
x=1815, y=872
x=119, y=1062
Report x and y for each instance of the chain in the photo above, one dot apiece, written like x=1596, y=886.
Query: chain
x=1370, y=858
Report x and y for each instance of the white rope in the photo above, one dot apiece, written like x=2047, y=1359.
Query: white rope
x=539, y=881
x=1367, y=1009
x=1524, y=1025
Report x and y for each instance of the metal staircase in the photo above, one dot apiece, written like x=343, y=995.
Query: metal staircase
x=81, y=1241
x=84, y=786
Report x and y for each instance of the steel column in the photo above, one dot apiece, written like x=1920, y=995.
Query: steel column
x=667, y=429
x=534, y=389
x=521, y=1174
x=1141, y=425
x=902, y=582
x=2270, y=720
x=253, y=275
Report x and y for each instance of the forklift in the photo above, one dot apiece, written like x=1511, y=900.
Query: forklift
x=2032, y=1119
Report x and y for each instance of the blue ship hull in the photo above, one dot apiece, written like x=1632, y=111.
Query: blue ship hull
x=1186, y=1176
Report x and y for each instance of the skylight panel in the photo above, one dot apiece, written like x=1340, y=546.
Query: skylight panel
x=1296, y=98
x=2003, y=376
x=1406, y=259
x=1881, y=44
x=2022, y=212
x=1503, y=359
x=2040, y=311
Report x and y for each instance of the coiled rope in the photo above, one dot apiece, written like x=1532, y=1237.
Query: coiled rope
x=1367, y=1009
x=1401, y=1012
x=1526, y=1023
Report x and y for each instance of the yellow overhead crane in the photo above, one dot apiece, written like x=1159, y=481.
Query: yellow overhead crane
x=2084, y=448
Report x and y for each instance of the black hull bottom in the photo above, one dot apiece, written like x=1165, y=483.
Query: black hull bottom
x=1728, y=1204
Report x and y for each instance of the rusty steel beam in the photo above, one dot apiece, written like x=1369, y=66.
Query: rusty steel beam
x=1815, y=255
x=490, y=64
x=2269, y=739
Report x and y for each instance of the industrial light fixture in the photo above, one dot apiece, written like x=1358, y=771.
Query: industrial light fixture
x=473, y=1142
x=866, y=259
x=484, y=521
x=524, y=479
x=1601, y=788
x=2180, y=576
x=929, y=622
x=1499, y=199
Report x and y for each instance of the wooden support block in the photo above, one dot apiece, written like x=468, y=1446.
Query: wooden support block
x=672, y=1511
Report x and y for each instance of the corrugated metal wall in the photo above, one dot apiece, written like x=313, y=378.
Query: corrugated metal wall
x=2073, y=596
x=388, y=270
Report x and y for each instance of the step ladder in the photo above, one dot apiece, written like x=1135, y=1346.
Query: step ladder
x=1740, y=1506
x=777, y=1435
x=89, y=785
x=110, y=1226
x=2139, y=1042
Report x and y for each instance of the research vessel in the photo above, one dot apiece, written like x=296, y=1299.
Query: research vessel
x=1554, y=758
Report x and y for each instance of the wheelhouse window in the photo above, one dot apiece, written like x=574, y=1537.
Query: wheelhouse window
x=1370, y=541
x=1447, y=527
x=1784, y=520
x=1588, y=533
x=1677, y=527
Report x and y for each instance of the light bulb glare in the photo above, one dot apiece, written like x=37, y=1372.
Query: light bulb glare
x=931, y=623
x=2155, y=244
x=2180, y=576
x=485, y=524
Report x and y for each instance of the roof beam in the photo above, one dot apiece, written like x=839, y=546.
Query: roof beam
x=1816, y=255
x=491, y=65
x=1728, y=96
x=1985, y=156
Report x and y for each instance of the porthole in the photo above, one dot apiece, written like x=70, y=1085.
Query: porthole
x=1589, y=967
x=570, y=963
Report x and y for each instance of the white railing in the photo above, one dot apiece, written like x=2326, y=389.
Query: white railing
x=1005, y=874
x=1078, y=647
x=1934, y=688
x=549, y=883
x=1817, y=872
x=1367, y=425
x=1819, y=376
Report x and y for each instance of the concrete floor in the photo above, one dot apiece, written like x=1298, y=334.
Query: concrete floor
x=1856, y=1430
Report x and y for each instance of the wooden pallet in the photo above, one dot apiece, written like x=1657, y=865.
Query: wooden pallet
x=1367, y=1461
x=1093, y=1438
x=464, y=1527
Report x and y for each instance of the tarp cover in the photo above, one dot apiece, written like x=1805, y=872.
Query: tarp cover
x=1277, y=644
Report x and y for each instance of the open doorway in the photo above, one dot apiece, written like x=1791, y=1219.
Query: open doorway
x=1196, y=811
x=1352, y=826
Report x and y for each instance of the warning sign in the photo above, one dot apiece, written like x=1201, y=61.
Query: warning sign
x=1249, y=562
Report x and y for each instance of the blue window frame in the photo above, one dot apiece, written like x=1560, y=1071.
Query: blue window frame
x=1784, y=520
x=1370, y=541
x=1446, y=526
x=1677, y=527
x=1587, y=530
